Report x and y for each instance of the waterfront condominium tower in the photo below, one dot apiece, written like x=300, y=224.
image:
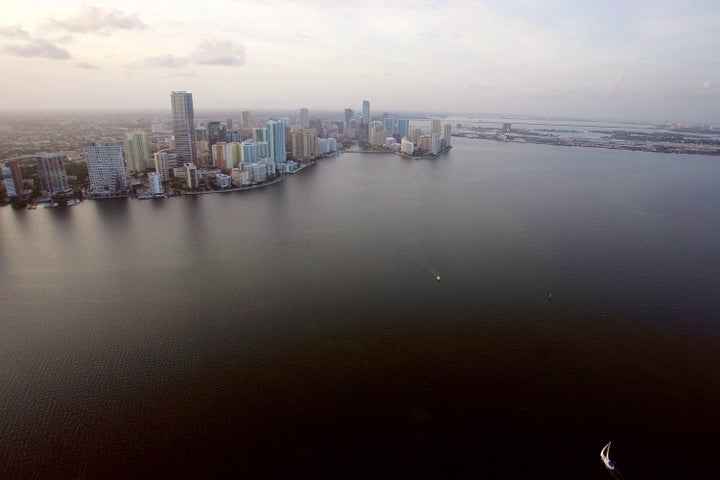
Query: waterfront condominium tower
x=276, y=141
x=106, y=167
x=183, y=119
x=52, y=173
x=13, y=180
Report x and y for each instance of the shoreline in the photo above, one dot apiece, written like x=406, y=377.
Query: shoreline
x=669, y=149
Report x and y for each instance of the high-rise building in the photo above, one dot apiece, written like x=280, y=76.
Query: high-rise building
x=137, y=151
x=245, y=119
x=376, y=133
x=304, y=144
x=349, y=114
x=217, y=132
x=403, y=126
x=233, y=155
x=183, y=125
x=304, y=118
x=155, y=181
x=52, y=173
x=106, y=168
x=365, y=123
x=276, y=141
x=218, y=155
x=259, y=135
x=236, y=136
x=446, y=134
x=407, y=147
x=229, y=124
x=414, y=135
x=249, y=152
x=13, y=180
x=263, y=151
x=390, y=125
x=191, y=176
x=165, y=162
x=435, y=125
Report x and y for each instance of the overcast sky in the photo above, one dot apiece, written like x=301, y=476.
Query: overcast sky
x=645, y=60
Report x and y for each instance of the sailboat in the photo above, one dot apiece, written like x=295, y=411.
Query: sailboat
x=605, y=456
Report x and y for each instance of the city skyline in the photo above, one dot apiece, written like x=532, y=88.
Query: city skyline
x=638, y=61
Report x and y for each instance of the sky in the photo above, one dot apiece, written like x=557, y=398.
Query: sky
x=611, y=59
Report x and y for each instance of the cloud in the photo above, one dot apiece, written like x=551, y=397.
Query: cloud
x=87, y=65
x=223, y=52
x=36, y=47
x=14, y=32
x=96, y=20
x=165, y=61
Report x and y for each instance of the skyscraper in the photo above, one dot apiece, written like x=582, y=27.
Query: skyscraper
x=446, y=134
x=13, y=180
x=164, y=163
x=217, y=132
x=435, y=125
x=259, y=135
x=349, y=114
x=365, y=122
x=137, y=151
x=276, y=141
x=403, y=125
x=304, y=144
x=52, y=173
x=183, y=125
x=249, y=152
x=245, y=119
x=304, y=118
x=106, y=168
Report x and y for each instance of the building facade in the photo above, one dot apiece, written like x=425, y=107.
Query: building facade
x=52, y=173
x=183, y=117
x=106, y=168
x=13, y=179
x=137, y=151
x=276, y=141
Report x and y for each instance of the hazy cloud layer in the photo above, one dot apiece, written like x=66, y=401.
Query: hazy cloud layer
x=14, y=32
x=224, y=52
x=36, y=47
x=87, y=65
x=218, y=52
x=645, y=57
x=92, y=19
x=165, y=61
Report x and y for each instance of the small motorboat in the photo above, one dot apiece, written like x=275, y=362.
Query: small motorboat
x=605, y=456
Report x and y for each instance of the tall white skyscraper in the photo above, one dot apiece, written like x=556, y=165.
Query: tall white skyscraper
x=276, y=141
x=183, y=125
x=304, y=118
x=106, y=168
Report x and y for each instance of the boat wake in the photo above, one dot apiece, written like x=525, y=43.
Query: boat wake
x=424, y=267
